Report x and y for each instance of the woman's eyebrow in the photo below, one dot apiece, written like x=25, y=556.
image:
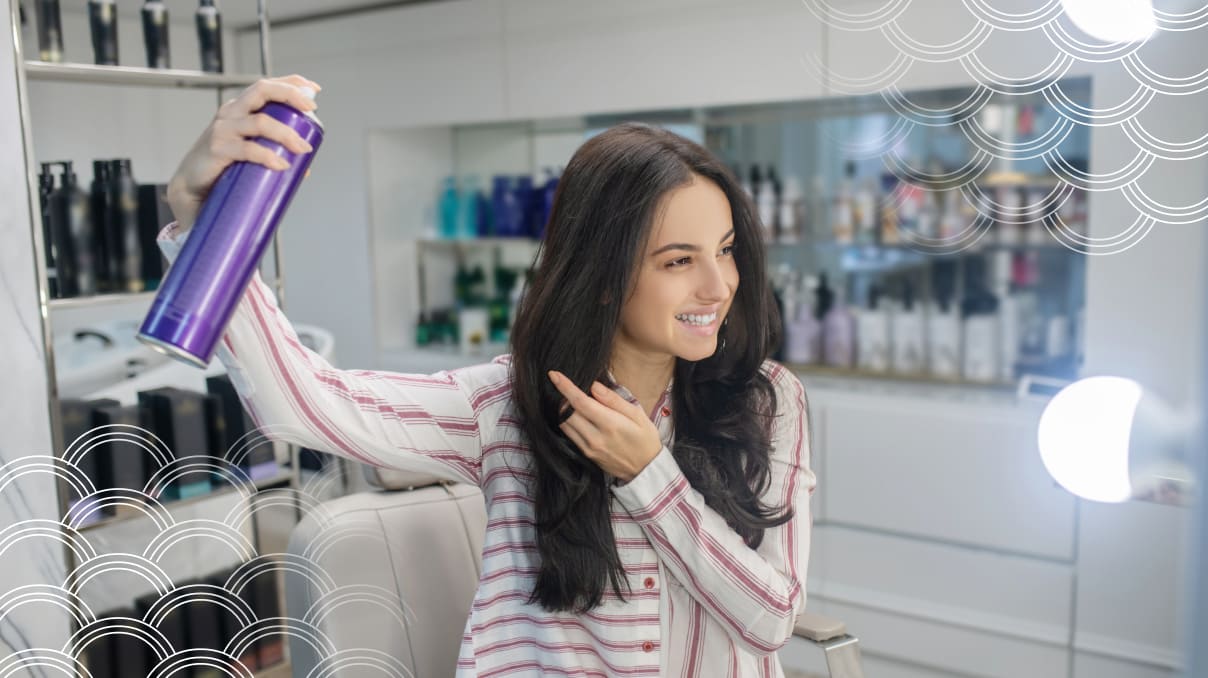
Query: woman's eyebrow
x=687, y=246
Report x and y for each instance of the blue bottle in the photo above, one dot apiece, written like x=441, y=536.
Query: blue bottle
x=467, y=208
x=448, y=209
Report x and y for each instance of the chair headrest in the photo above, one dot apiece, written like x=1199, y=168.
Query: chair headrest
x=394, y=479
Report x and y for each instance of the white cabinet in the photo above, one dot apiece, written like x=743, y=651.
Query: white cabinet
x=942, y=470
x=944, y=545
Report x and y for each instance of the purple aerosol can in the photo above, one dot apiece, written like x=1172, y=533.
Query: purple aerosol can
x=236, y=223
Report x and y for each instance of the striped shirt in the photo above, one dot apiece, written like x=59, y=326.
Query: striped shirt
x=703, y=603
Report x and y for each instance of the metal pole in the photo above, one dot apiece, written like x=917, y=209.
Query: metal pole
x=1196, y=622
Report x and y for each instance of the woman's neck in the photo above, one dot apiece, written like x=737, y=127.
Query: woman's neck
x=646, y=377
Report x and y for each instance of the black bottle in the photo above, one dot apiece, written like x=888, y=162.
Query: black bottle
x=155, y=34
x=102, y=17
x=123, y=205
x=72, y=229
x=105, y=252
x=209, y=36
x=46, y=186
x=50, y=31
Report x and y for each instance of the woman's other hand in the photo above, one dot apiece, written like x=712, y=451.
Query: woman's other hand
x=229, y=139
x=613, y=432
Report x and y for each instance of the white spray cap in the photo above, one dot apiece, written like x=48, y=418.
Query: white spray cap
x=310, y=93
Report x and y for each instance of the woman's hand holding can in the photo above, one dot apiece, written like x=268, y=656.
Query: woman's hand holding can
x=229, y=138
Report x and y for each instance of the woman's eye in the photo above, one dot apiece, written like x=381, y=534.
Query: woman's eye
x=727, y=250
x=682, y=261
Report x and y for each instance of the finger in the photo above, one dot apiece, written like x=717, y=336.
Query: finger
x=579, y=400
x=263, y=91
x=576, y=438
x=614, y=400
x=268, y=127
x=299, y=81
x=585, y=434
x=236, y=150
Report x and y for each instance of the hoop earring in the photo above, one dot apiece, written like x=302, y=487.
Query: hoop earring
x=721, y=332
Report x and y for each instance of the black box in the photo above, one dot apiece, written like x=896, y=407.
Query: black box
x=178, y=417
x=236, y=423
x=130, y=654
x=173, y=626
x=232, y=625
x=153, y=215
x=76, y=418
x=272, y=646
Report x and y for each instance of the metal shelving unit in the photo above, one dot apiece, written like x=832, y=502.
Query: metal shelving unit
x=127, y=76
x=134, y=76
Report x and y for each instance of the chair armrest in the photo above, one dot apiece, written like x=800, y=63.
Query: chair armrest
x=818, y=628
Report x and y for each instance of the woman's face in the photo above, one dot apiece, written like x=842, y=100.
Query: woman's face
x=686, y=278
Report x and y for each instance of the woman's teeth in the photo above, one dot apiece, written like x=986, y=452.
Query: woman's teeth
x=697, y=319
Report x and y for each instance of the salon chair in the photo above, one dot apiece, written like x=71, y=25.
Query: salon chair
x=389, y=582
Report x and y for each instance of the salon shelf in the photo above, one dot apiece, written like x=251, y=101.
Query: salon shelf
x=476, y=242
x=101, y=300
x=282, y=478
x=136, y=76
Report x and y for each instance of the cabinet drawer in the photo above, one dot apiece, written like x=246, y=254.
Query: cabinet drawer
x=967, y=474
x=960, y=610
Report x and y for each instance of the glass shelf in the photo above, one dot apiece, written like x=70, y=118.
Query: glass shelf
x=283, y=477
x=101, y=300
x=135, y=76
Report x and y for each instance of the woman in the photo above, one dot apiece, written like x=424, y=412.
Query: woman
x=645, y=468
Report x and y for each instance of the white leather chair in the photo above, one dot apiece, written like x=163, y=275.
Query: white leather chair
x=385, y=579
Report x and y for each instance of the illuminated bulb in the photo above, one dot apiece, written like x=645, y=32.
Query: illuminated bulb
x=1113, y=20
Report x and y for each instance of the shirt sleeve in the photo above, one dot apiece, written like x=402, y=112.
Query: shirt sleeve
x=755, y=594
x=422, y=423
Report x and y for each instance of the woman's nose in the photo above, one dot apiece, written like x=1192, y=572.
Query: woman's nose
x=714, y=286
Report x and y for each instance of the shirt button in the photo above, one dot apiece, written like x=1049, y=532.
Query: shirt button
x=648, y=646
x=649, y=583
x=666, y=411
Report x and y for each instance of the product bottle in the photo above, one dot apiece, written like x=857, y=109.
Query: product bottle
x=944, y=337
x=466, y=221
x=909, y=342
x=981, y=328
x=234, y=227
x=50, y=30
x=839, y=334
x=46, y=186
x=106, y=252
x=944, y=324
x=950, y=218
x=804, y=341
x=765, y=201
x=1008, y=316
x=124, y=215
x=448, y=208
x=888, y=221
x=72, y=230
x=842, y=214
x=865, y=212
x=102, y=18
x=155, y=34
x=791, y=212
x=209, y=36
x=872, y=334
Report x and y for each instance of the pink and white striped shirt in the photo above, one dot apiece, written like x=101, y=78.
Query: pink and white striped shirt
x=703, y=603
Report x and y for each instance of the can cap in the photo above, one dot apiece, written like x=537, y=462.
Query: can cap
x=310, y=94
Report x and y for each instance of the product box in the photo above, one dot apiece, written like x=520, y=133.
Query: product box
x=178, y=417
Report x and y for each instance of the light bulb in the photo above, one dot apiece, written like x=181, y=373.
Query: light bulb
x=1113, y=20
x=1084, y=437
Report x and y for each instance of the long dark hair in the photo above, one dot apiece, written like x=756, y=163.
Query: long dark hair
x=597, y=233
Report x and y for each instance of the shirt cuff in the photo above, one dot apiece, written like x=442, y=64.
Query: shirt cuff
x=170, y=239
x=655, y=489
